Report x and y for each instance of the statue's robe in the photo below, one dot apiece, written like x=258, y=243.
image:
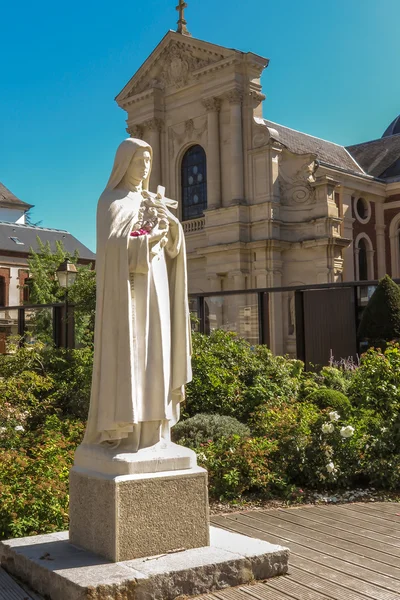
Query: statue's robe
x=142, y=333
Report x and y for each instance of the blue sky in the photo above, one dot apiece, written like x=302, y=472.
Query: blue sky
x=333, y=73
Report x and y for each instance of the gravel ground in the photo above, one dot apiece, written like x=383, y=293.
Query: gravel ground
x=307, y=497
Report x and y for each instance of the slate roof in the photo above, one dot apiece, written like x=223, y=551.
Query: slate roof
x=328, y=153
x=380, y=158
x=28, y=234
x=8, y=200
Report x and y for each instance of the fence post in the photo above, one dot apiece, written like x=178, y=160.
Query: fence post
x=21, y=326
x=263, y=318
x=57, y=325
x=201, y=314
x=300, y=334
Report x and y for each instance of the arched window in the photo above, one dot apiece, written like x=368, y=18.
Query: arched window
x=2, y=291
x=364, y=258
x=194, y=183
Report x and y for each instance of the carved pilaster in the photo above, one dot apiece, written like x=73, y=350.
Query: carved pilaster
x=213, y=106
x=235, y=98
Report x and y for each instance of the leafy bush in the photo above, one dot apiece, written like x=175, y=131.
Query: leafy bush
x=380, y=321
x=237, y=465
x=375, y=384
x=332, y=399
x=34, y=478
x=231, y=378
x=204, y=428
x=44, y=380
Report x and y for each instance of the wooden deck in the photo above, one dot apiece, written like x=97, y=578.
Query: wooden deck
x=346, y=552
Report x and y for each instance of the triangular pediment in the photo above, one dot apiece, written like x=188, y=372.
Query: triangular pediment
x=174, y=63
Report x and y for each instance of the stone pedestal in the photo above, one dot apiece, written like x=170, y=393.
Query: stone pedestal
x=124, y=506
x=132, y=516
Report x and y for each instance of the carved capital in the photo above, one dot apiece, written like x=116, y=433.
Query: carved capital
x=212, y=104
x=135, y=131
x=235, y=96
x=154, y=124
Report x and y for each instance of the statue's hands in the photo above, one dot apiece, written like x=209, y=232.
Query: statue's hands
x=158, y=234
x=164, y=214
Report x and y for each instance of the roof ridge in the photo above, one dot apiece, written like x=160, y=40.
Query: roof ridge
x=303, y=133
x=381, y=139
x=27, y=226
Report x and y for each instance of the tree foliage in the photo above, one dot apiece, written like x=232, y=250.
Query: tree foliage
x=380, y=322
x=45, y=289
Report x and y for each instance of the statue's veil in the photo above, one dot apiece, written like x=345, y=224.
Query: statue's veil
x=123, y=157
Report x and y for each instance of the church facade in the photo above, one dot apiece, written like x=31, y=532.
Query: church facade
x=261, y=205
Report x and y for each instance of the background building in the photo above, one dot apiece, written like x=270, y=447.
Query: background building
x=17, y=238
x=262, y=205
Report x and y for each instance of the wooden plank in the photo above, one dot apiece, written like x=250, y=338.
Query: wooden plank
x=10, y=590
x=337, y=553
x=353, y=516
x=356, y=584
x=390, y=507
x=289, y=517
x=335, y=520
x=342, y=562
x=299, y=535
x=391, y=514
x=334, y=590
x=282, y=587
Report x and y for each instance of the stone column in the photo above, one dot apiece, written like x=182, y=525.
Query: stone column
x=380, y=240
x=235, y=98
x=153, y=137
x=213, y=106
x=348, y=220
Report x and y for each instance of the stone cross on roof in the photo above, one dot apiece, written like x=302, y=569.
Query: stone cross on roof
x=182, y=22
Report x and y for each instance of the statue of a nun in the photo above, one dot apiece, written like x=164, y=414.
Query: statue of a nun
x=142, y=334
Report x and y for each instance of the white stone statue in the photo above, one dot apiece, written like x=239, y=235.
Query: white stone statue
x=142, y=334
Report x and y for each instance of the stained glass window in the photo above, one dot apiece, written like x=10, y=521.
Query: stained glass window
x=194, y=183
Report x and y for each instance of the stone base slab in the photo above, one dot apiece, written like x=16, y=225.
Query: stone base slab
x=159, y=458
x=131, y=516
x=60, y=571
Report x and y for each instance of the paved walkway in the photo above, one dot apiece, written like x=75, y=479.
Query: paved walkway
x=347, y=552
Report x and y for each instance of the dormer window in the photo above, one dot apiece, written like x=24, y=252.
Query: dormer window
x=17, y=241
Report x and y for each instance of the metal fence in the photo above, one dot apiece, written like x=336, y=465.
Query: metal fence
x=37, y=322
x=310, y=322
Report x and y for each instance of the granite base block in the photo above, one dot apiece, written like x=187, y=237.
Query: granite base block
x=132, y=516
x=58, y=570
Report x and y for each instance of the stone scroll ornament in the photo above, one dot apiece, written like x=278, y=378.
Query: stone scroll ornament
x=142, y=335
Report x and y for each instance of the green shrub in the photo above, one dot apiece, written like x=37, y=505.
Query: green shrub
x=231, y=378
x=34, y=478
x=380, y=321
x=332, y=399
x=204, y=428
x=375, y=384
x=237, y=465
